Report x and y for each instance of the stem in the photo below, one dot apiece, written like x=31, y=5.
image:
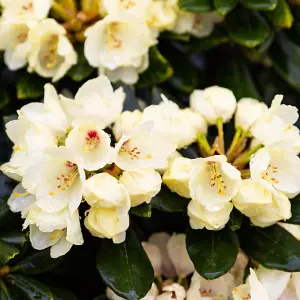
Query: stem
x=159, y=279
x=245, y=157
x=235, y=143
x=245, y=174
x=180, y=280
x=219, y=124
x=65, y=10
x=204, y=145
x=90, y=6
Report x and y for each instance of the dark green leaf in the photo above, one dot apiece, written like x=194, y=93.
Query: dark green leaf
x=229, y=75
x=212, y=252
x=7, y=252
x=190, y=151
x=30, y=86
x=168, y=201
x=31, y=288
x=169, y=35
x=159, y=70
x=196, y=5
x=125, y=267
x=225, y=6
x=281, y=16
x=273, y=247
x=5, y=213
x=236, y=219
x=82, y=69
x=295, y=218
x=143, y=210
x=4, y=292
x=4, y=98
x=247, y=27
x=61, y=294
x=15, y=238
x=260, y=4
x=36, y=263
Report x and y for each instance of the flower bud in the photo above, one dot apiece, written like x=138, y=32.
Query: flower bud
x=177, y=176
x=214, y=102
x=248, y=110
x=141, y=185
x=154, y=256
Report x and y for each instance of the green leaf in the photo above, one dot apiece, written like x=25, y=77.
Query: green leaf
x=15, y=238
x=169, y=201
x=285, y=55
x=281, y=16
x=4, y=292
x=273, y=247
x=169, y=35
x=82, y=69
x=236, y=219
x=37, y=263
x=5, y=213
x=260, y=4
x=4, y=99
x=247, y=27
x=159, y=70
x=196, y=5
x=295, y=218
x=30, y=86
x=225, y=6
x=184, y=77
x=144, y=210
x=125, y=267
x=212, y=252
x=7, y=252
x=31, y=288
x=232, y=80
x=61, y=294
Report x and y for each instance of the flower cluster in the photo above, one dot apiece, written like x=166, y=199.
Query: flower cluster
x=173, y=267
x=64, y=154
x=118, y=35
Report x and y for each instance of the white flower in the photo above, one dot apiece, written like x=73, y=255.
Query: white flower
x=213, y=182
x=96, y=99
x=213, y=102
x=292, y=291
x=125, y=122
x=29, y=10
x=104, y=190
x=171, y=158
x=272, y=126
x=184, y=21
x=202, y=289
x=177, y=176
x=155, y=256
x=179, y=256
x=212, y=220
x=142, y=185
x=248, y=111
x=170, y=290
x=14, y=41
x=89, y=143
x=117, y=41
x=143, y=148
x=127, y=74
x=56, y=181
x=263, y=206
x=132, y=7
x=253, y=289
x=51, y=54
x=162, y=14
x=180, y=124
x=277, y=168
x=111, y=222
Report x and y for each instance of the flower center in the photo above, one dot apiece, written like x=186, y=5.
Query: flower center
x=56, y=233
x=22, y=37
x=133, y=152
x=50, y=56
x=198, y=23
x=269, y=174
x=65, y=180
x=111, y=36
x=127, y=3
x=216, y=179
x=92, y=141
x=27, y=7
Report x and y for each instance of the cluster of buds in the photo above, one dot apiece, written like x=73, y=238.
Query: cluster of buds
x=117, y=34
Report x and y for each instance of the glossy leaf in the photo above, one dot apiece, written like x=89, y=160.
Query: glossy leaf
x=295, y=219
x=4, y=292
x=169, y=35
x=235, y=221
x=273, y=247
x=159, y=70
x=229, y=75
x=31, y=288
x=247, y=27
x=125, y=267
x=144, y=210
x=82, y=69
x=169, y=201
x=5, y=213
x=7, y=252
x=225, y=6
x=37, y=263
x=61, y=294
x=281, y=16
x=260, y=4
x=4, y=99
x=212, y=252
x=196, y=5
x=15, y=238
x=30, y=86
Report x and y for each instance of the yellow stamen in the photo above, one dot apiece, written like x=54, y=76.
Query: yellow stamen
x=17, y=148
x=111, y=38
x=50, y=56
x=56, y=234
x=266, y=177
x=127, y=3
x=21, y=194
x=216, y=178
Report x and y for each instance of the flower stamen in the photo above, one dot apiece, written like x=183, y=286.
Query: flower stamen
x=216, y=178
x=92, y=141
x=112, y=40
